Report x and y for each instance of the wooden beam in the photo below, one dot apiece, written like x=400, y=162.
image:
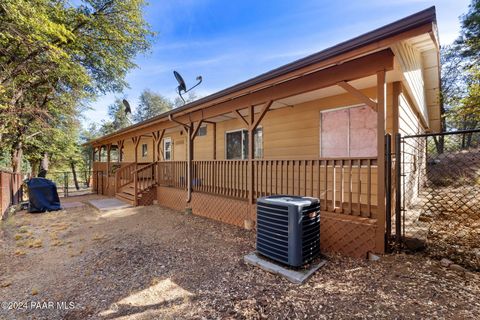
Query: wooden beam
x=240, y=117
x=381, y=111
x=195, y=130
x=358, y=94
x=263, y=112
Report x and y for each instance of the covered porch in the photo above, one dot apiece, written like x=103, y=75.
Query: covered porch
x=213, y=178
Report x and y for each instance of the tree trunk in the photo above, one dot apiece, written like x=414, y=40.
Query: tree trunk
x=439, y=143
x=44, y=166
x=87, y=178
x=75, y=180
x=17, y=156
x=35, y=165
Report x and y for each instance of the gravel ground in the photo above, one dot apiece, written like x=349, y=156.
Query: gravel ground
x=155, y=263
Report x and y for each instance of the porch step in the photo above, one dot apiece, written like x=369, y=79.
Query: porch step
x=127, y=192
x=125, y=197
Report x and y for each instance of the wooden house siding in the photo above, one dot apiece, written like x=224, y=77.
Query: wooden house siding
x=288, y=133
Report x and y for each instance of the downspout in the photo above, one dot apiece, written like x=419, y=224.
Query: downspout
x=189, y=157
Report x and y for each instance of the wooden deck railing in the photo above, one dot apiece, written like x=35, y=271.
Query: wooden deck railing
x=343, y=185
x=347, y=185
x=172, y=174
x=224, y=177
x=124, y=176
x=144, y=178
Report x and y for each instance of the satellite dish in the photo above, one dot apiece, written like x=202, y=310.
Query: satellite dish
x=182, y=86
x=127, y=106
x=181, y=83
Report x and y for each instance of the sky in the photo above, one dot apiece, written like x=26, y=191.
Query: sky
x=227, y=42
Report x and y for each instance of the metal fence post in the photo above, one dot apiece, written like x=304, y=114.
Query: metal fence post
x=388, y=189
x=398, y=188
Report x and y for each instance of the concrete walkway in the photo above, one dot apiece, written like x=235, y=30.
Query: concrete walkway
x=109, y=204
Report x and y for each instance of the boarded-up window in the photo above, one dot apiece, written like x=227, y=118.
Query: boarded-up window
x=349, y=132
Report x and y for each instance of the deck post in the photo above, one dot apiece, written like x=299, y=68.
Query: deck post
x=251, y=149
x=136, y=141
x=120, y=148
x=214, y=124
x=157, y=139
x=190, y=136
x=109, y=148
x=381, y=106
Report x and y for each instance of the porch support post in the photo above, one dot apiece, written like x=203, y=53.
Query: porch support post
x=157, y=139
x=381, y=111
x=109, y=148
x=120, y=148
x=136, y=141
x=190, y=134
x=253, y=124
x=214, y=140
x=251, y=149
x=397, y=89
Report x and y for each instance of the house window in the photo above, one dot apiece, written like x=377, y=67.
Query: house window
x=144, y=150
x=114, y=154
x=202, y=131
x=167, y=149
x=236, y=144
x=349, y=132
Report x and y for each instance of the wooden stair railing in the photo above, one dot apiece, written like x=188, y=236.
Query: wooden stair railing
x=124, y=176
x=143, y=179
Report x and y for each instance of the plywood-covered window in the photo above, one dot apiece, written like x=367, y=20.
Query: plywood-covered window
x=348, y=132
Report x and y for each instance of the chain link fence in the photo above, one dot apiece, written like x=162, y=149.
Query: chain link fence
x=440, y=195
x=69, y=184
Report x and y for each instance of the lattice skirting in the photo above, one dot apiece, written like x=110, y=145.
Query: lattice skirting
x=148, y=197
x=172, y=198
x=349, y=235
x=223, y=209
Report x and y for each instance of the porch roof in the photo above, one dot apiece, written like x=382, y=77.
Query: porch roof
x=423, y=22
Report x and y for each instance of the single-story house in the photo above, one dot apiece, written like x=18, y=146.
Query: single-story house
x=313, y=127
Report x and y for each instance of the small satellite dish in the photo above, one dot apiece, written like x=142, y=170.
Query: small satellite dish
x=127, y=106
x=182, y=86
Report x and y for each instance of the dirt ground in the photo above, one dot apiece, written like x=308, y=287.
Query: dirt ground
x=156, y=263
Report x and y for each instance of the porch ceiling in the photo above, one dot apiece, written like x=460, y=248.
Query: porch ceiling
x=362, y=83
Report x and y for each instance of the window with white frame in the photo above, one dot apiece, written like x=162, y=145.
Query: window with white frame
x=144, y=150
x=167, y=149
x=236, y=144
x=348, y=132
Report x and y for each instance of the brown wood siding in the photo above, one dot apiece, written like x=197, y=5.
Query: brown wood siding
x=288, y=133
